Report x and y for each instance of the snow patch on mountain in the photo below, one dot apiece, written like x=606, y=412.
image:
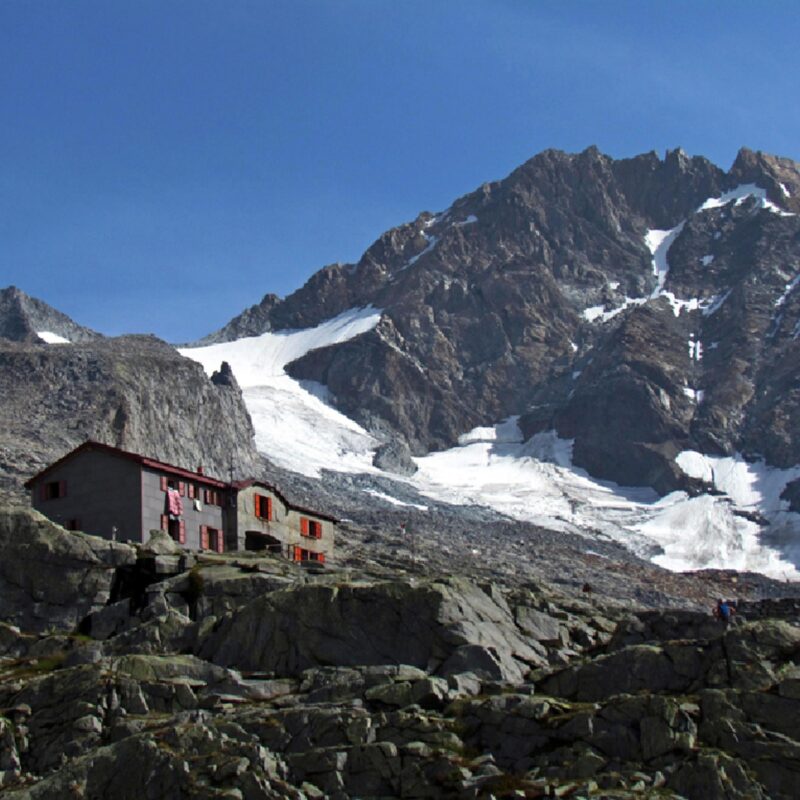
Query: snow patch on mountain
x=257, y=358
x=740, y=194
x=295, y=423
x=432, y=242
x=658, y=243
x=600, y=313
x=536, y=481
x=705, y=532
x=751, y=485
x=52, y=338
x=715, y=303
x=532, y=481
x=788, y=289
x=393, y=501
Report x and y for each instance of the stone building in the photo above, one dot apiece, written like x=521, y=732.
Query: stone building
x=119, y=495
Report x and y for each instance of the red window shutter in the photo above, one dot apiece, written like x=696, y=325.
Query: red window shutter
x=163, y=483
x=191, y=491
x=182, y=489
x=321, y=558
x=304, y=526
x=269, y=508
x=165, y=523
x=257, y=499
x=182, y=532
x=204, y=537
x=298, y=554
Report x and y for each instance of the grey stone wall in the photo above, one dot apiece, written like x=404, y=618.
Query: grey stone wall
x=323, y=545
x=154, y=504
x=102, y=493
x=284, y=525
x=246, y=519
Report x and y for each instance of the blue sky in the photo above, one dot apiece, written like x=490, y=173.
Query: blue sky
x=166, y=163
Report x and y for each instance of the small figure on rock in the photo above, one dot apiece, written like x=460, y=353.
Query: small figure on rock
x=724, y=611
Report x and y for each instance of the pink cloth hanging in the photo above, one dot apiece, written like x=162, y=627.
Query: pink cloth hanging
x=174, y=502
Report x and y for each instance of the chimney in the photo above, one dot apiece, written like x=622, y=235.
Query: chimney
x=200, y=469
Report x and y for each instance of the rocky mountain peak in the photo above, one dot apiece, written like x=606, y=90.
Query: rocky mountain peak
x=780, y=177
x=251, y=322
x=22, y=318
x=134, y=392
x=644, y=302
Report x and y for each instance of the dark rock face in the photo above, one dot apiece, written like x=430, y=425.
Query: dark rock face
x=483, y=314
x=389, y=623
x=133, y=392
x=22, y=316
x=251, y=322
x=51, y=578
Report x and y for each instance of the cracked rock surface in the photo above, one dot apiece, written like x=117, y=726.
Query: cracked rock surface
x=246, y=676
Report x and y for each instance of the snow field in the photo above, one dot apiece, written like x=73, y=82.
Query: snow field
x=295, y=427
x=532, y=480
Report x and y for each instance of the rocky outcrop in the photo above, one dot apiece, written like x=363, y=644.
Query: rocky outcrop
x=394, y=456
x=251, y=322
x=337, y=685
x=51, y=578
x=22, y=317
x=443, y=626
x=133, y=392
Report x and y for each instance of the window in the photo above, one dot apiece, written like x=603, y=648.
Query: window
x=53, y=490
x=301, y=554
x=263, y=506
x=176, y=528
x=172, y=483
x=211, y=539
x=311, y=528
x=213, y=497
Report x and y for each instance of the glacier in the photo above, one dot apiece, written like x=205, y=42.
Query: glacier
x=298, y=428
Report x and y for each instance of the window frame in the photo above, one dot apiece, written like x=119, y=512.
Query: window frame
x=260, y=501
x=53, y=490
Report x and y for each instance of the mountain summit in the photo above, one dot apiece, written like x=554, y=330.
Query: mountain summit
x=24, y=318
x=641, y=307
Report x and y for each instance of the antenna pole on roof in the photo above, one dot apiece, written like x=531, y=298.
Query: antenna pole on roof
x=230, y=471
